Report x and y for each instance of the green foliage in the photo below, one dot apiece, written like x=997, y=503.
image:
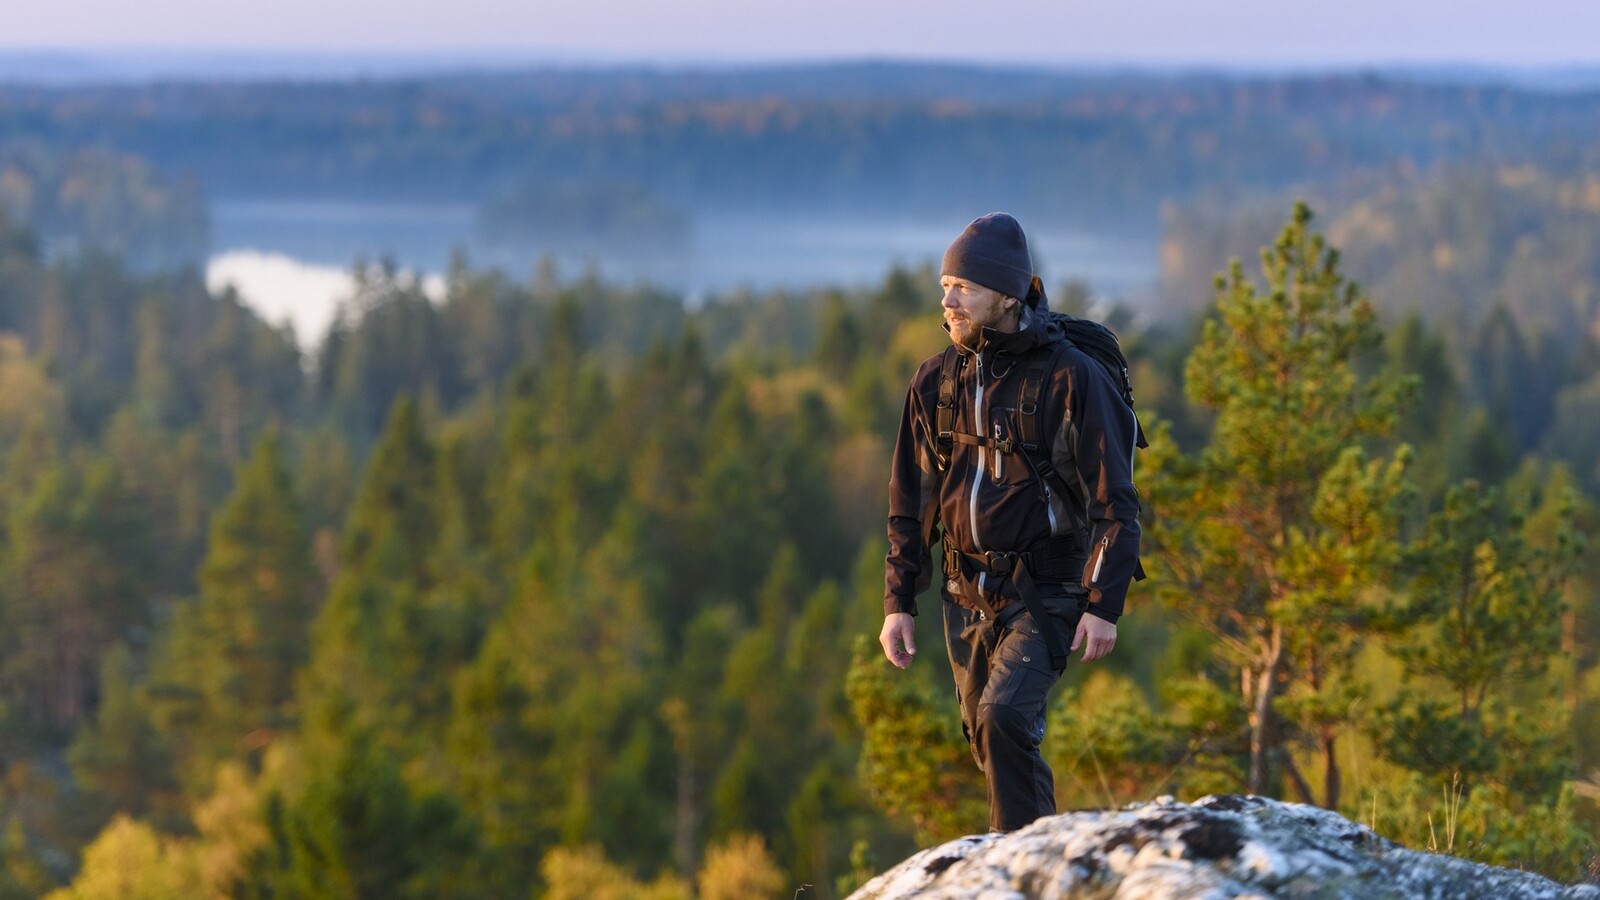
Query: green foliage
x=1110, y=747
x=585, y=874
x=131, y=860
x=74, y=569
x=225, y=675
x=400, y=349
x=358, y=830
x=96, y=199
x=914, y=760
x=862, y=869
x=594, y=579
x=1489, y=824
x=553, y=690
x=387, y=620
x=1499, y=260
x=740, y=867
x=1078, y=146
x=120, y=759
x=1575, y=432
x=22, y=875
x=1274, y=536
x=1482, y=621
x=29, y=397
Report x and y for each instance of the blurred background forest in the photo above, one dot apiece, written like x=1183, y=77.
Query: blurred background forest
x=523, y=578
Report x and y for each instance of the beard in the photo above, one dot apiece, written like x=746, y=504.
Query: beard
x=966, y=325
x=964, y=331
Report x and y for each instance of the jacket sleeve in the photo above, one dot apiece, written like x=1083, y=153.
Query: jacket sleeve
x=1103, y=430
x=913, y=478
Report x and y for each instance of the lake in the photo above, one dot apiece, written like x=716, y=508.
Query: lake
x=290, y=259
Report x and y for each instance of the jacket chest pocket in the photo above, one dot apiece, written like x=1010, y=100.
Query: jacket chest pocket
x=1005, y=427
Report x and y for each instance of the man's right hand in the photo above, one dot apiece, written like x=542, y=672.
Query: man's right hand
x=899, y=638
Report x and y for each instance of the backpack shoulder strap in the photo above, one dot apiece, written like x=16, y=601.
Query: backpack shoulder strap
x=1033, y=378
x=944, y=420
x=1035, y=448
x=944, y=415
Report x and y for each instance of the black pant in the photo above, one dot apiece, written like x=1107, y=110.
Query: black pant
x=1002, y=693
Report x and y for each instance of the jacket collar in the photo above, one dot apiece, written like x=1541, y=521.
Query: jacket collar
x=1030, y=333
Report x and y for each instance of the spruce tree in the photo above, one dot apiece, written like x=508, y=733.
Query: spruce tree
x=119, y=760
x=74, y=580
x=225, y=674
x=558, y=686
x=375, y=660
x=358, y=830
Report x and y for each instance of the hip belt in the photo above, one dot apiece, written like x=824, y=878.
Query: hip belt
x=1058, y=559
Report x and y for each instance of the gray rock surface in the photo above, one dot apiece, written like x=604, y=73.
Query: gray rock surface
x=1217, y=847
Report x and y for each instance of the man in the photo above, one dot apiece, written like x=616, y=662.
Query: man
x=1038, y=545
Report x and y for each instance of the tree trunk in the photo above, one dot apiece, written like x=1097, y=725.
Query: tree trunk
x=1302, y=788
x=1569, y=647
x=675, y=712
x=1331, y=780
x=1261, y=716
x=684, y=820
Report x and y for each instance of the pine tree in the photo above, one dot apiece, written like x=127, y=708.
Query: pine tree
x=1274, y=537
x=1482, y=622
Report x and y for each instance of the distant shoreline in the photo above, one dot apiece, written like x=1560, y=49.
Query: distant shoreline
x=65, y=67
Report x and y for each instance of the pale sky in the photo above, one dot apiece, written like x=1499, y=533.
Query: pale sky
x=1245, y=33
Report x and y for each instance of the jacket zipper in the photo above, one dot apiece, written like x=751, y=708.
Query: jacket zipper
x=977, y=475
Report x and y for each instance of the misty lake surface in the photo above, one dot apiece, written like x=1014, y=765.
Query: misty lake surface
x=722, y=252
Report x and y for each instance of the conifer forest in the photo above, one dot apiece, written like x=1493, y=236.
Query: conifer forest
x=553, y=585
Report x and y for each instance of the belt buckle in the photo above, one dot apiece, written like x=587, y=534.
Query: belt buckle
x=999, y=563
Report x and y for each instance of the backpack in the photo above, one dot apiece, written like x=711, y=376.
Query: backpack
x=1099, y=343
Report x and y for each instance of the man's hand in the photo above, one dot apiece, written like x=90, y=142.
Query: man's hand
x=898, y=632
x=1095, y=635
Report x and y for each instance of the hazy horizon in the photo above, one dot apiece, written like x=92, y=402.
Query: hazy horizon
x=1162, y=33
x=68, y=65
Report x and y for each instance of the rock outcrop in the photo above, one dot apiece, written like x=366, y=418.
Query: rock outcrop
x=1216, y=847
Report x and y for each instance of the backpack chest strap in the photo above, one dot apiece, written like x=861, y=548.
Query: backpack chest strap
x=1004, y=445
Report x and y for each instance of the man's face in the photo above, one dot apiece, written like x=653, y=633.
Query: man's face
x=968, y=307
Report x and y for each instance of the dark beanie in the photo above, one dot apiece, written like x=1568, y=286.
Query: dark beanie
x=992, y=252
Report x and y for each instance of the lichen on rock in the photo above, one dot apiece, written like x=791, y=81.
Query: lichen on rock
x=1217, y=847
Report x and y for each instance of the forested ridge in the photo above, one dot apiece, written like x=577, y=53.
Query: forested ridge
x=560, y=588
x=1101, y=152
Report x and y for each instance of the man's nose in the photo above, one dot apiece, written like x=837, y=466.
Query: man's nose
x=949, y=300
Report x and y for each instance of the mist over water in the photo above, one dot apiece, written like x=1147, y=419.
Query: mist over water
x=291, y=259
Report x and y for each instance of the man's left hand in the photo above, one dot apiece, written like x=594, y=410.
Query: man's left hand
x=1095, y=635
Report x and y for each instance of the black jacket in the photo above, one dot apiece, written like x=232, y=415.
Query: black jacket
x=992, y=501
